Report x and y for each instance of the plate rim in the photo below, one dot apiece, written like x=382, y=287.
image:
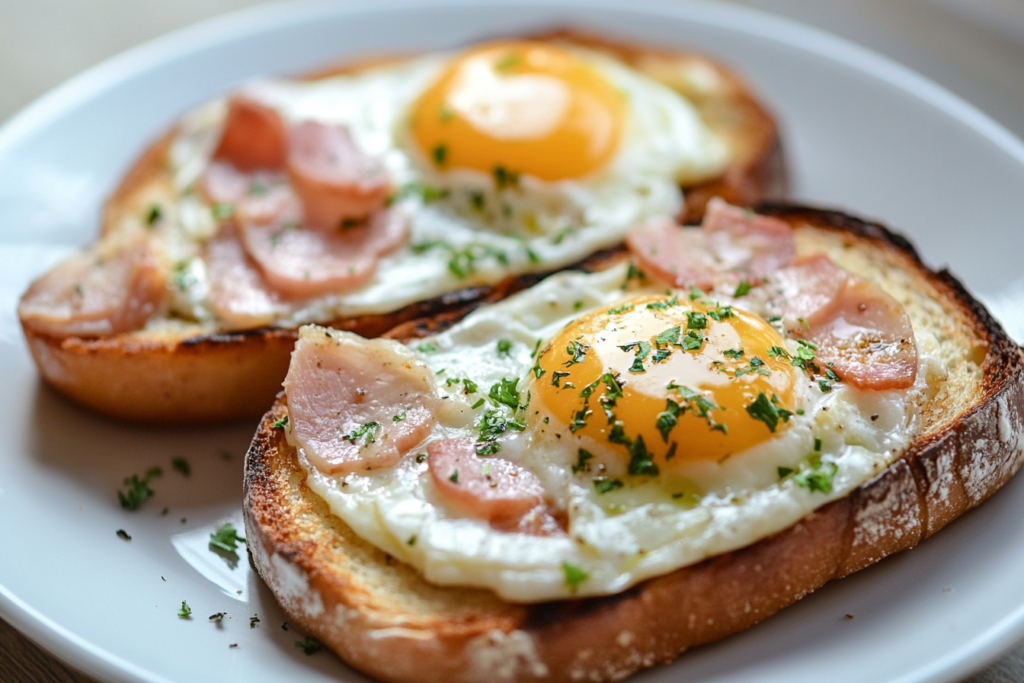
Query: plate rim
x=99, y=662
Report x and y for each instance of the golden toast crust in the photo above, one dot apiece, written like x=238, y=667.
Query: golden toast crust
x=211, y=378
x=385, y=620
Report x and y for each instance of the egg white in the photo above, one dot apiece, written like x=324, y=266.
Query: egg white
x=535, y=226
x=624, y=536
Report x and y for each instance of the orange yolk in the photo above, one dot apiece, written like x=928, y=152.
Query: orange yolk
x=659, y=355
x=520, y=107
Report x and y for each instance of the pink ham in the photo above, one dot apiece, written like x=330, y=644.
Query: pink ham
x=806, y=289
x=298, y=262
x=868, y=337
x=356, y=404
x=490, y=489
x=94, y=294
x=865, y=333
x=238, y=295
x=254, y=136
x=733, y=244
x=337, y=182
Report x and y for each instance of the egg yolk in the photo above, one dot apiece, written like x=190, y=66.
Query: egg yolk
x=668, y=381
x=519, y=107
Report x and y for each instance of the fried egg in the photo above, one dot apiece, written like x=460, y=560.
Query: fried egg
x=510, y=157
x=664, y=427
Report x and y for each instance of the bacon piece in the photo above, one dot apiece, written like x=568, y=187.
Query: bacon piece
x=865, y=333
x=733, y=244
x=492, y=489
x=303, y=263
x=356, y=404
x=238, y=295
x=254, y=136
x=97, y=293
x=337, y=182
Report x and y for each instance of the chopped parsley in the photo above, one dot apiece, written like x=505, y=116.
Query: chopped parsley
x=818, y=479
x=479, y=403
x=504, y=177
x=504, y=393
x=824, y=386
x=253, y=620
x=784, y=472
x=222, y=212
x=121, y=533
x=634, y=273
x=574, y=575
x=830, y=373
x=742, y=288
x=506, y=62
x=669, y=336
x=185, y=612
x=454, y=478
x=766, y=411
x=181, y=465
x=218, y=616
x=399, y=417
x=440, y=154
x=280, y=424
x=804, y=323
x=668, y=419
x=721, y=312
x=641, y=462
x=621, y=309
x=692, y=341
x=817, y=445
x=556, y=376
x=696, y=320
x=577, y=353
x=368, y=431
x=308, y=645
x=756, y=365
x=426, y=193
x=486, y=448
x=698, y=404
x=154, y=214
x=491, y=425
x=427, y=347
x=642, y=350
x=412, y=541
x=603, y=485
x=735, y=353
x=695, y=293
x=660, y=355
x=421, y=457
x=662, y=305
x=581, y=461
x=138, y=490
x=226, y=538
x=504, y=346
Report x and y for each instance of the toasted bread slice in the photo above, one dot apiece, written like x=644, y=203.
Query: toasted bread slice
x=183, y=373
x=381, y=617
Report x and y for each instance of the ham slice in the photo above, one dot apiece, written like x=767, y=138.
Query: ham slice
x=491, y=489
x=337, y=182
x=865, y=333
x=97, y=293
x=238, y=294
x=319, y=229
x=356, y=404
x=732, y=244
x=303, y=263
x=254, y=136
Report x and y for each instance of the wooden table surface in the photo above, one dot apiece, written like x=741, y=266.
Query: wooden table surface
x=980, y=57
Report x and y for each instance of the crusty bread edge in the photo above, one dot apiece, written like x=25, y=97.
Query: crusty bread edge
x=940, y=477
x=218, y=377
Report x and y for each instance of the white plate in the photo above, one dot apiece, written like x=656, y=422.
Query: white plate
x=862, y=133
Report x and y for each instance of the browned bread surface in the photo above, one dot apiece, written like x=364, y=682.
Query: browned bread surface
x=383, y=618
x=195, y=376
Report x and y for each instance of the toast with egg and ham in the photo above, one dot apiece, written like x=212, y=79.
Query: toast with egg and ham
x=101, y=328
x=383, y=618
